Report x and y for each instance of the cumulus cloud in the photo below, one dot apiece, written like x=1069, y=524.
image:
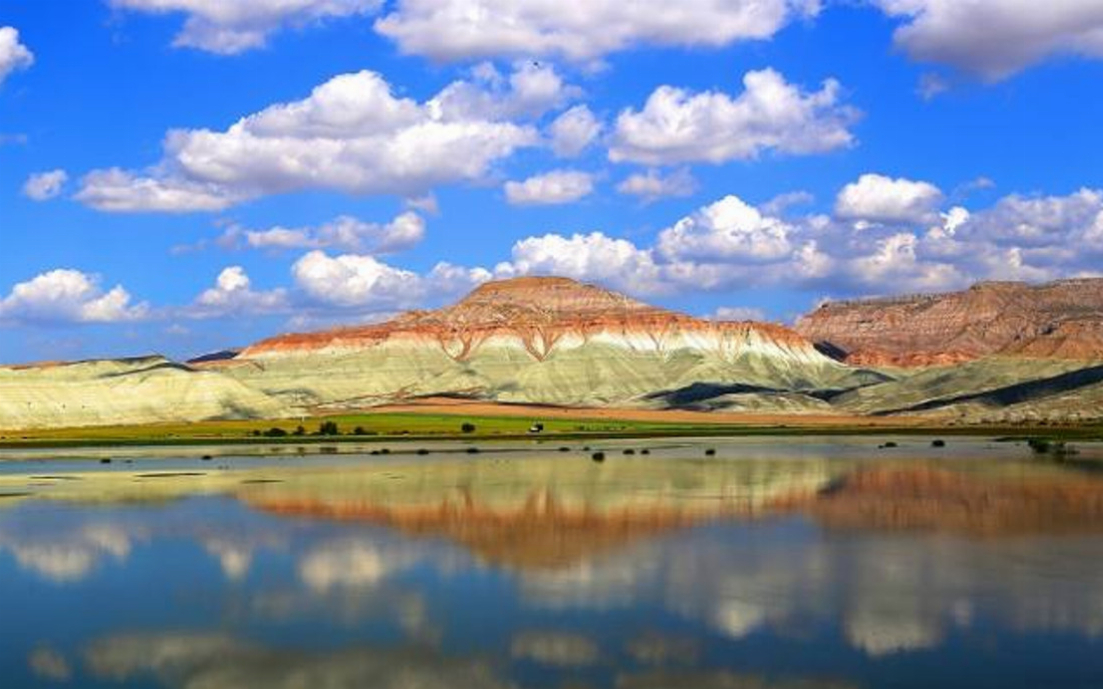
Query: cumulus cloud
x=365, y=284
x=13, y=54
x=343, y=232
x=228, y=27
x=43, y=186
x=550, y=188
x=730, y=244
x=596, y=256
x=677, y=126
x=68, y=296
x=653, y=185
x=573, y=131
x=352, y=134
x=529, y=91
x=994, y=39
x=738, y=313
x=876, y=198
x=726, y=229
x=233, y=293
x=456, y=30
x=118, y=191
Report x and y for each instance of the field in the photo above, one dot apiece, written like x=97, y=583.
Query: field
x=486, y=421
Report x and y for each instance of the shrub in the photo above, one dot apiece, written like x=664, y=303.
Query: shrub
x=598, y=456
x=359, y=430
x=468, y=427
x=564, y=449
x=938, y=443
x=423, y=451
x=710, y=452
x=629, y=451
x=299, y=430
x=472, y=450
x=276, y=432
x=328, y=428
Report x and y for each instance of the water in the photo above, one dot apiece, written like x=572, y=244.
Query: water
x=772, y=565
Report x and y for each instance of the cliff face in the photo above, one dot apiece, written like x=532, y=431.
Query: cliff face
x=1062, y=320
x=537, y=340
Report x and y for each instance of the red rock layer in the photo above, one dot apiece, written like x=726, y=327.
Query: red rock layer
x=1061, y=319
x=540, y=311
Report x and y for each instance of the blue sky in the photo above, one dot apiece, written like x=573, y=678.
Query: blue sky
x=185, y=175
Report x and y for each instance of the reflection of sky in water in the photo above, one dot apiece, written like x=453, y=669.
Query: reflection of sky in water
x=210, y=591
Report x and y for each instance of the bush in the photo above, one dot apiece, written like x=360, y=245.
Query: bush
x=938, y=443
x=564, y=449
x=472, y=450
x=423, y=451
x=645, y=451
x=710, y=452
x=299, y=430
x=328, y=428
x=359, y=430
x=468, y=427
x=276, y=432
x=598, y=456
x=629, y=451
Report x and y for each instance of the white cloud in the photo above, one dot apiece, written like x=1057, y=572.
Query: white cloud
x=457, y=30
x=784, y=201
x=653, y=185
x=726, y=229
x=13, y=54
x=573, y=131
x=68, y=296
x=595, y=256
x=555, y=187
x=1073, y=223
x=344, y=232
x=530, y=91
x=364, y=284
x=676, y=126
x=119, y=191
x=233, y=294
x=731, y=245
x=996, y=38
x=876, y=198
x=738, y=313
x=352, y=280
x=43, y=186
x=228, y=27
x=351, y=134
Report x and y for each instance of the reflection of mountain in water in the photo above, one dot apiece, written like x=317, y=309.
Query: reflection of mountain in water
x=543, y=513
x=549, y=513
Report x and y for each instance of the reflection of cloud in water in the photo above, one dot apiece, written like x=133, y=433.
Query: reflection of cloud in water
x=654, y=648
x=720, y=680
x=66, y=556
x=554, y=648
x=889, y=592
x=354, y=563
x=195, y=661
x=48, y=663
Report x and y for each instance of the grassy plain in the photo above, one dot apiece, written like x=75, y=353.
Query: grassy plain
x=484, y=421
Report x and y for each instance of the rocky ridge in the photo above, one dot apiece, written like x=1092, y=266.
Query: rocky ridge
x=1056, y=320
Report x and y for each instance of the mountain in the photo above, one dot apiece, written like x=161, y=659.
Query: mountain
x=137, y=390
x=995, y=353
x=541, y=340
x=1057, y=320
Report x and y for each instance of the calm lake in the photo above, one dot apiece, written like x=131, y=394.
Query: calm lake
x=767, y=564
